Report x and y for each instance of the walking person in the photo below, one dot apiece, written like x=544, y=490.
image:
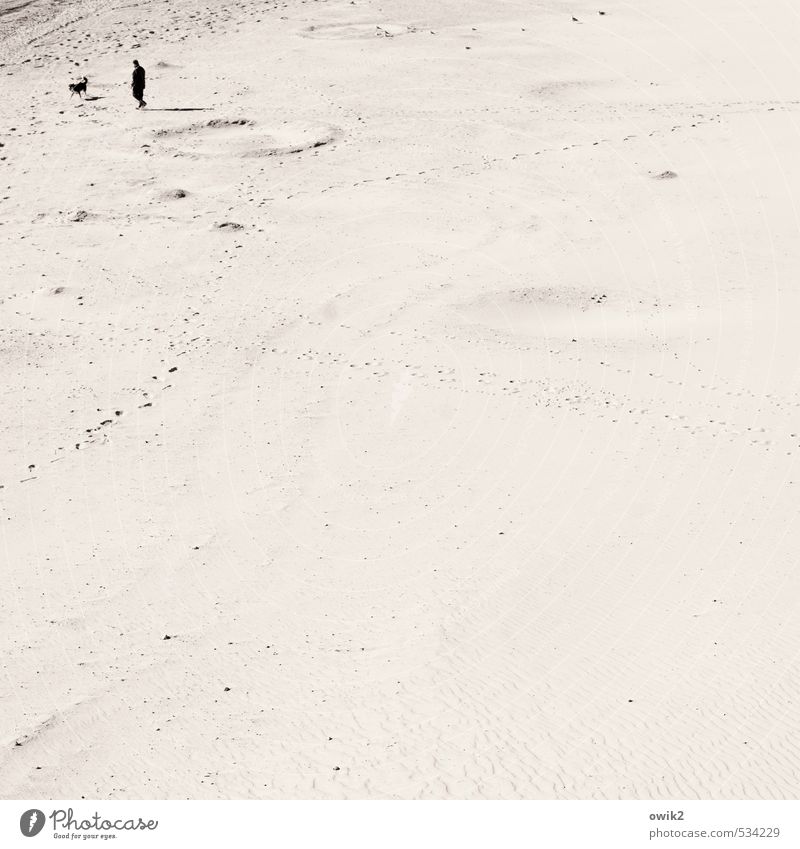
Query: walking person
x=137, y=84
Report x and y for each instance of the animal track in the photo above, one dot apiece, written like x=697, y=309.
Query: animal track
x=472, y=168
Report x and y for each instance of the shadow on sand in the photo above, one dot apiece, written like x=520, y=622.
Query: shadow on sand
x=183, y=109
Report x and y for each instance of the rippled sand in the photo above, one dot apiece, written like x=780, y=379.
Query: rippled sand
x=404, y=405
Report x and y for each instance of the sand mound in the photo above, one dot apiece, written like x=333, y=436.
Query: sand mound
x=547, y=312
x=292, y=139
x=355, y=31
x=221, y=123
x=213, y=124
x=559, y=89
x=241, y=137
x=173, y=194
x=573, y=313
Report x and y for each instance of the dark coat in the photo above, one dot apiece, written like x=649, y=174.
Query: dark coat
x=138, y=81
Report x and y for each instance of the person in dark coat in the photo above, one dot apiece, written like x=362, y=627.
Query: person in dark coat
x=137, y=85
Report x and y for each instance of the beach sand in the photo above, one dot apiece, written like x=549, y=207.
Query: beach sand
x=404, y=405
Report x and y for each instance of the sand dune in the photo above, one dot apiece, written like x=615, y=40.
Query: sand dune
x=403, y=405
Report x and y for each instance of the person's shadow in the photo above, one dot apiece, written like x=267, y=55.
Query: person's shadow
x=94, y=97
x=182, y=109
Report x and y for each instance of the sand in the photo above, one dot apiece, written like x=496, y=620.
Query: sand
x=404, y=405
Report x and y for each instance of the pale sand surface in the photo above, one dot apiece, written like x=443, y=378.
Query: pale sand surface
x=468, y=461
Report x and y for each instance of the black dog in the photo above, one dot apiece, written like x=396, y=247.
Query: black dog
x=78, y=88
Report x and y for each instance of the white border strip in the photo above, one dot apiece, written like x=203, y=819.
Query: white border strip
x=404, y=825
